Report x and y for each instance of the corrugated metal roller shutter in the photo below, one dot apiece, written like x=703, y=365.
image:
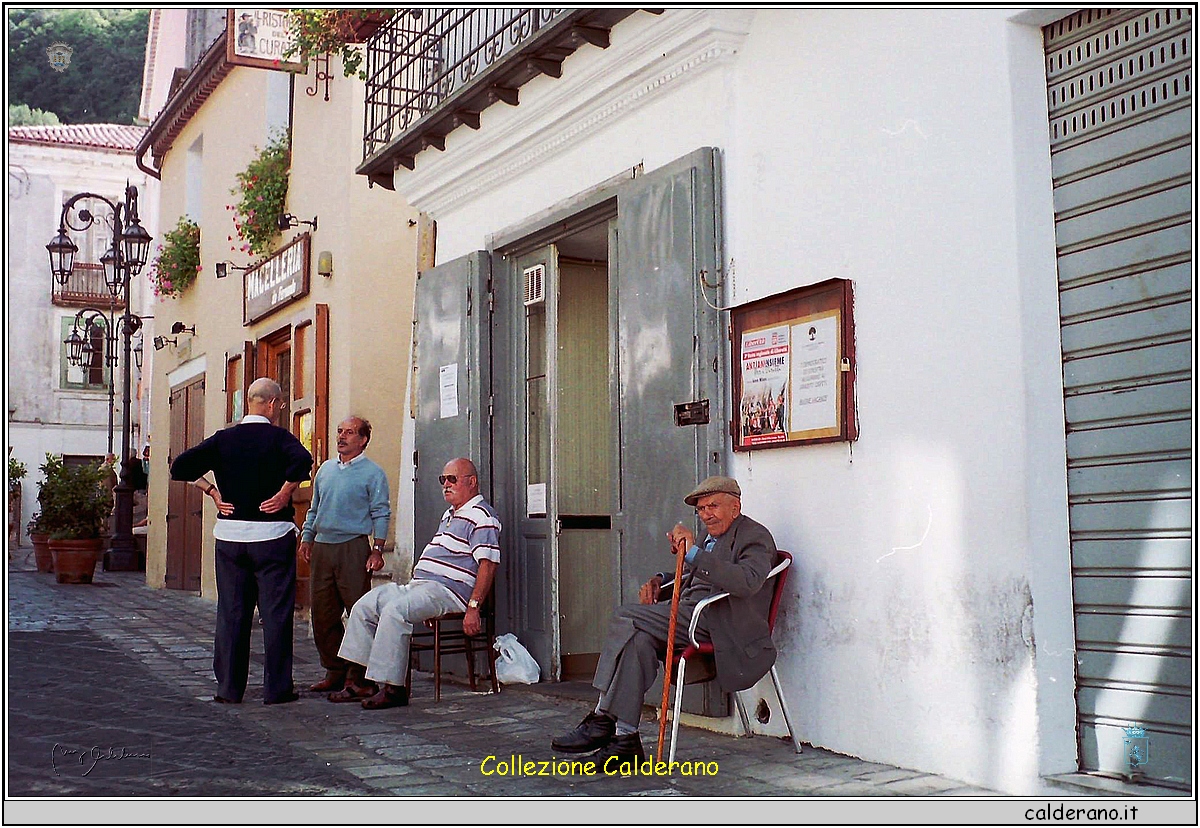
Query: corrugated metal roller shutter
x=1121, y=143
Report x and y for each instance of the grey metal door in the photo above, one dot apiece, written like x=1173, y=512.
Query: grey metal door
x=533, y=369
x=452, y=349
x=1121, y=155
x=669, y=352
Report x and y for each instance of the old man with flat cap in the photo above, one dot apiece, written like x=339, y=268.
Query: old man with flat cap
x=735, y=557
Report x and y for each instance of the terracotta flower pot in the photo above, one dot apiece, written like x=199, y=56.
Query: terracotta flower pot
x=75, y=560
x=41, y=552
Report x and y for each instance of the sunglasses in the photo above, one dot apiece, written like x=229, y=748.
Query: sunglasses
x=450, y=478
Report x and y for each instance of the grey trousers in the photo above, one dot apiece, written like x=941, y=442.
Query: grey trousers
x=636, y=643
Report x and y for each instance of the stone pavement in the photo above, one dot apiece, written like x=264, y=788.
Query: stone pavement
x=109, y=695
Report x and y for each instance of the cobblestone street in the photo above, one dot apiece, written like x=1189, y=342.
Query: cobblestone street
x=110, y=690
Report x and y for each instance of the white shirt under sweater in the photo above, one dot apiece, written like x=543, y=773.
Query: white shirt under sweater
x=251, y=531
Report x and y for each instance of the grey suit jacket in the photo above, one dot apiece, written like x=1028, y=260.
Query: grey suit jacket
x=738, y=564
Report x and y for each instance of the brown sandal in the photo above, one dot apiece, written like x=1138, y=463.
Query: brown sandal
x=387, y=697
x=351, y=693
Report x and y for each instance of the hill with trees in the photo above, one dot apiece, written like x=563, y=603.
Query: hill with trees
x=103, y=82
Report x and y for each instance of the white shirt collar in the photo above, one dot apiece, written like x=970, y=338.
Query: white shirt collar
x=360, y=456
x=255, y=418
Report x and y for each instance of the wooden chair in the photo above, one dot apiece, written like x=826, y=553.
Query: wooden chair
x=444, y=636
x=696, y=650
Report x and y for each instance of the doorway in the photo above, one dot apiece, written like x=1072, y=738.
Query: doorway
x=185, y=503
x=565, y=453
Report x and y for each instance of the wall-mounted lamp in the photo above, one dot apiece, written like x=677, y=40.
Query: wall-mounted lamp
x=287, y=220
x=137, y=354
x=161, y=342
x=179, y=327
x=325, y=263
x=223, y=268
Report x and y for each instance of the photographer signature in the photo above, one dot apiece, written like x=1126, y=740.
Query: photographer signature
x=62, y=755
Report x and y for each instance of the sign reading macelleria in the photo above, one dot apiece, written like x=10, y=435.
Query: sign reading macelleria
x=278, y=281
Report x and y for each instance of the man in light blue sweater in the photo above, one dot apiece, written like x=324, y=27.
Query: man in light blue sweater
x=349, y=502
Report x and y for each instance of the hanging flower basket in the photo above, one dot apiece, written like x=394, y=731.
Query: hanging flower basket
x=178, y=261
x=317, y=31
x=262, y=193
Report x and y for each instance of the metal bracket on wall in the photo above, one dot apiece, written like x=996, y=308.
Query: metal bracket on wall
x=321, y=62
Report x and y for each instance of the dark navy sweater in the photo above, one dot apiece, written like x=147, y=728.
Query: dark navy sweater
x=251, y=462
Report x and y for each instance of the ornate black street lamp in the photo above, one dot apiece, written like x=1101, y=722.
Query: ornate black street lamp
x=122, y=262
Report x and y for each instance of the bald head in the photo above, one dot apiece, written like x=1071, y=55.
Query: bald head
x=264, y=397
x=460, y=481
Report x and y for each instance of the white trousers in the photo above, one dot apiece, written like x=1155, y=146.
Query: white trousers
x=381, y=625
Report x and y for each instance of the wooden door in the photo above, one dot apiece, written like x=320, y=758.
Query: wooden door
x=185, y=503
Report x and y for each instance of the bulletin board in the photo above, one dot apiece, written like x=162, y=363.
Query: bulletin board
x=793, y=378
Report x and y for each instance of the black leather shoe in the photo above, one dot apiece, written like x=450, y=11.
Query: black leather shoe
x=620, y=750
x=595, y=731
x=286, y=698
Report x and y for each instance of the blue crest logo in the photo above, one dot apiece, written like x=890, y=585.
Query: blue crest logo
x=60, y=56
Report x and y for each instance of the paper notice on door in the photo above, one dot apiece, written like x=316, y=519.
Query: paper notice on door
x=448, y=386
x=535, y=499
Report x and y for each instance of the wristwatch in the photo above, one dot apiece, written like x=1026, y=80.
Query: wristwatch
x=473, y=604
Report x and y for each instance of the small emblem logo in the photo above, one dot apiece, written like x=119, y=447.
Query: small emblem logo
x=60, y=56
x=1137, y=747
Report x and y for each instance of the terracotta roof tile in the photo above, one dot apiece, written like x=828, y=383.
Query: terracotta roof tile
x=119, y=137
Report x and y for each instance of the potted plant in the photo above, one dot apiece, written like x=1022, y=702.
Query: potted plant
x=262, y=193
x=317, y=31
x=16, y=472
x=39, y=536
x=76, y=502
x=178, y=261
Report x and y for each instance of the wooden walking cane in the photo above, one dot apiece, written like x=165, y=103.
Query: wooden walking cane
x=675, y=590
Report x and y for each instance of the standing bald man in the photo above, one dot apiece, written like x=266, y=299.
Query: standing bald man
x=257, y=466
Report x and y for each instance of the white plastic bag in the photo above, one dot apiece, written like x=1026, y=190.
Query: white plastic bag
x=515, y=665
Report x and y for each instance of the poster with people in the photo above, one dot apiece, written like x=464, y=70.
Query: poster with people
x=794, y=371
x=764, y=410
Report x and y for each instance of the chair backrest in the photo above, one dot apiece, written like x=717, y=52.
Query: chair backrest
x=779, y=572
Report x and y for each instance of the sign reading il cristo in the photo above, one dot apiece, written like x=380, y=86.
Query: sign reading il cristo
x=278, y=281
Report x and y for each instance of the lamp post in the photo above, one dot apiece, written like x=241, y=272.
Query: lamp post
x=122, y=262
x=82, y=349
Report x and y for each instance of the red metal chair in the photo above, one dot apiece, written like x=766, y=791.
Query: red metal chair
x=696, y=649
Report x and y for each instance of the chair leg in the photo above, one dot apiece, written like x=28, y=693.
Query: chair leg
x=680, y=673
x=470, y=660
x=787, y=716
x=437, y=660
x=491, y=652
x=741, y=709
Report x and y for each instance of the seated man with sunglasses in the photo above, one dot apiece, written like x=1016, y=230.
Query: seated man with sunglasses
x=453, y=574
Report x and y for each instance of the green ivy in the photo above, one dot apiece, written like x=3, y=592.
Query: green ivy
x=262, y=193
x=317, y=31
x=178, y=261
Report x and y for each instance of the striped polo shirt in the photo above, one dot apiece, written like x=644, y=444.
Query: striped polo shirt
x=463, y=539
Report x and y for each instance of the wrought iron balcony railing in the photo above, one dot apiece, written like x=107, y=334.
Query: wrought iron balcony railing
x=86, y=286
x=432, y=70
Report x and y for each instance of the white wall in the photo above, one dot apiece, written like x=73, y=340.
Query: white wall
x=904, y=150
x=41, y=416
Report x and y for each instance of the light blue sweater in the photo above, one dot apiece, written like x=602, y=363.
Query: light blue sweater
x=348, y=501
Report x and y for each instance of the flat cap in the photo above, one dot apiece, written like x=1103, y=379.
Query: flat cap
x=713, y=485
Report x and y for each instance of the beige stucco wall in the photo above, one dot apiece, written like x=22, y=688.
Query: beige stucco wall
x=369, y=294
